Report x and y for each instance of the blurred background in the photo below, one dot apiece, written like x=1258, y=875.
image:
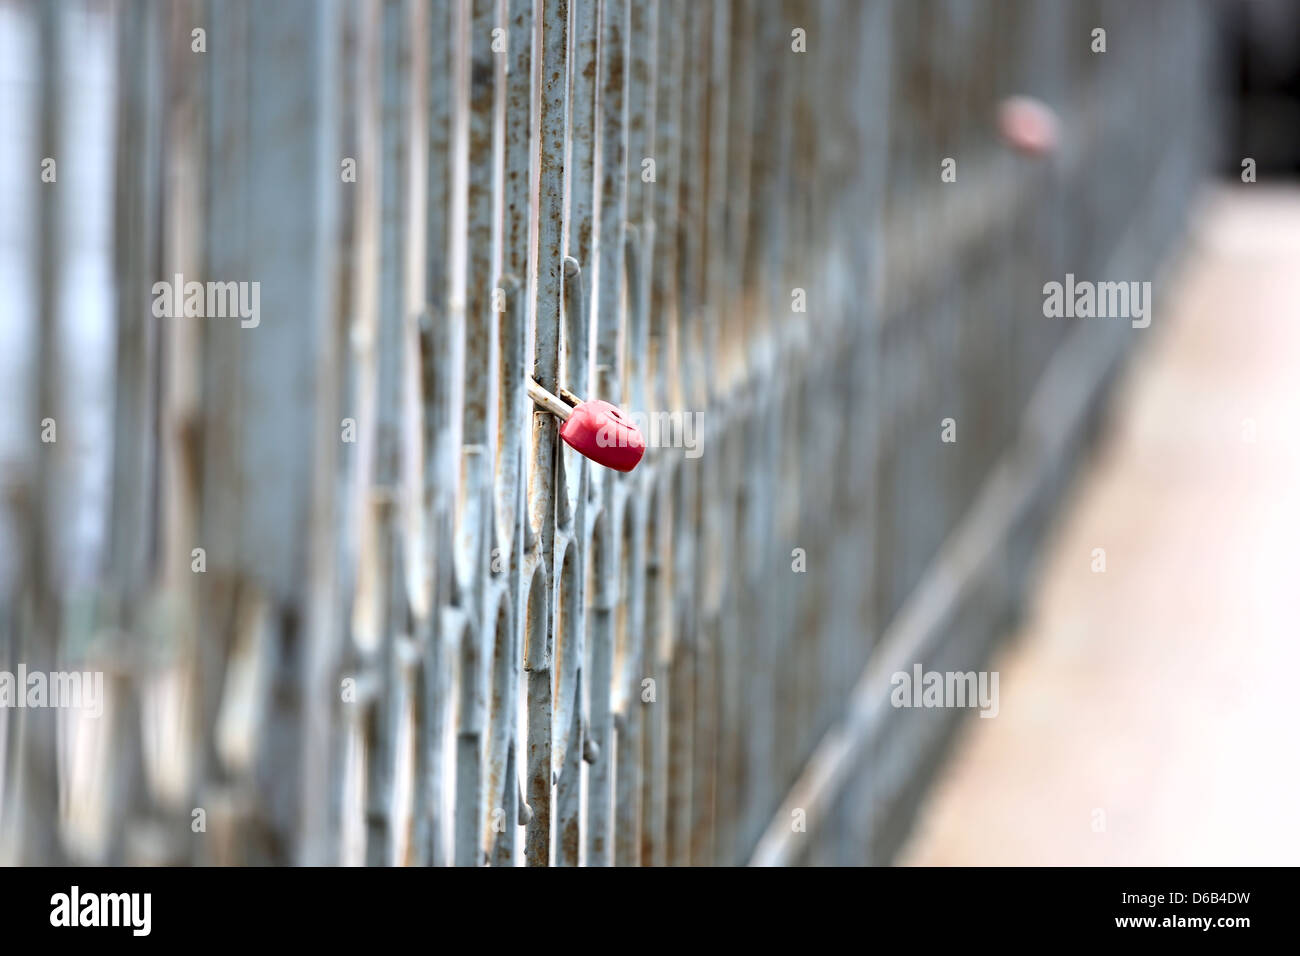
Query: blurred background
x=332, y=589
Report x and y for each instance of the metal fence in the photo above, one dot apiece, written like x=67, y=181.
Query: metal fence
x=352, y=600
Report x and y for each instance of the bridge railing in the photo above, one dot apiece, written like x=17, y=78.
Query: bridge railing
x=277, y=275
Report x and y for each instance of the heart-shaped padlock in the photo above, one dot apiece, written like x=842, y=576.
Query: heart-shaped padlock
x=599, y=431
x=594, y=429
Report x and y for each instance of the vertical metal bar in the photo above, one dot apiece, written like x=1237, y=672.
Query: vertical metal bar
x=643, y=88
x=685, y=390
x=633, y=786
x=583, y=92
x=550, y=287
x=667, y=184
x=318, y=823
x=629, y=711
x=35, y=816
x=653, y=721
x=442, y=352
x=390, y=421
x=570, y=597
x=610, y=334
x=136, y=214
x=518, y=256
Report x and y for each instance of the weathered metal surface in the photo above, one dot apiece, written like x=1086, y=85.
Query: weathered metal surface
x=427, y=632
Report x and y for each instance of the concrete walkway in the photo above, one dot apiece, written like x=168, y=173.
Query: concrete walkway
x=1150, y=712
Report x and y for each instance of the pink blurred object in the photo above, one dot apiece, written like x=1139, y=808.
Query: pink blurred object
x=1029, y=125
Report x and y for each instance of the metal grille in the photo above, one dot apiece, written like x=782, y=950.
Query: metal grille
x=352, y=598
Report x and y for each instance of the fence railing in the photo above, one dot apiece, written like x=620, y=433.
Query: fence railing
x=350, y=598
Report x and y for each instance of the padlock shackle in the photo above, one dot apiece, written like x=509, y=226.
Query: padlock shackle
x=548, y=401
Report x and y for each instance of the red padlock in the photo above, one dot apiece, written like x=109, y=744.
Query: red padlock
x=599, y=431
x=594, y=429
